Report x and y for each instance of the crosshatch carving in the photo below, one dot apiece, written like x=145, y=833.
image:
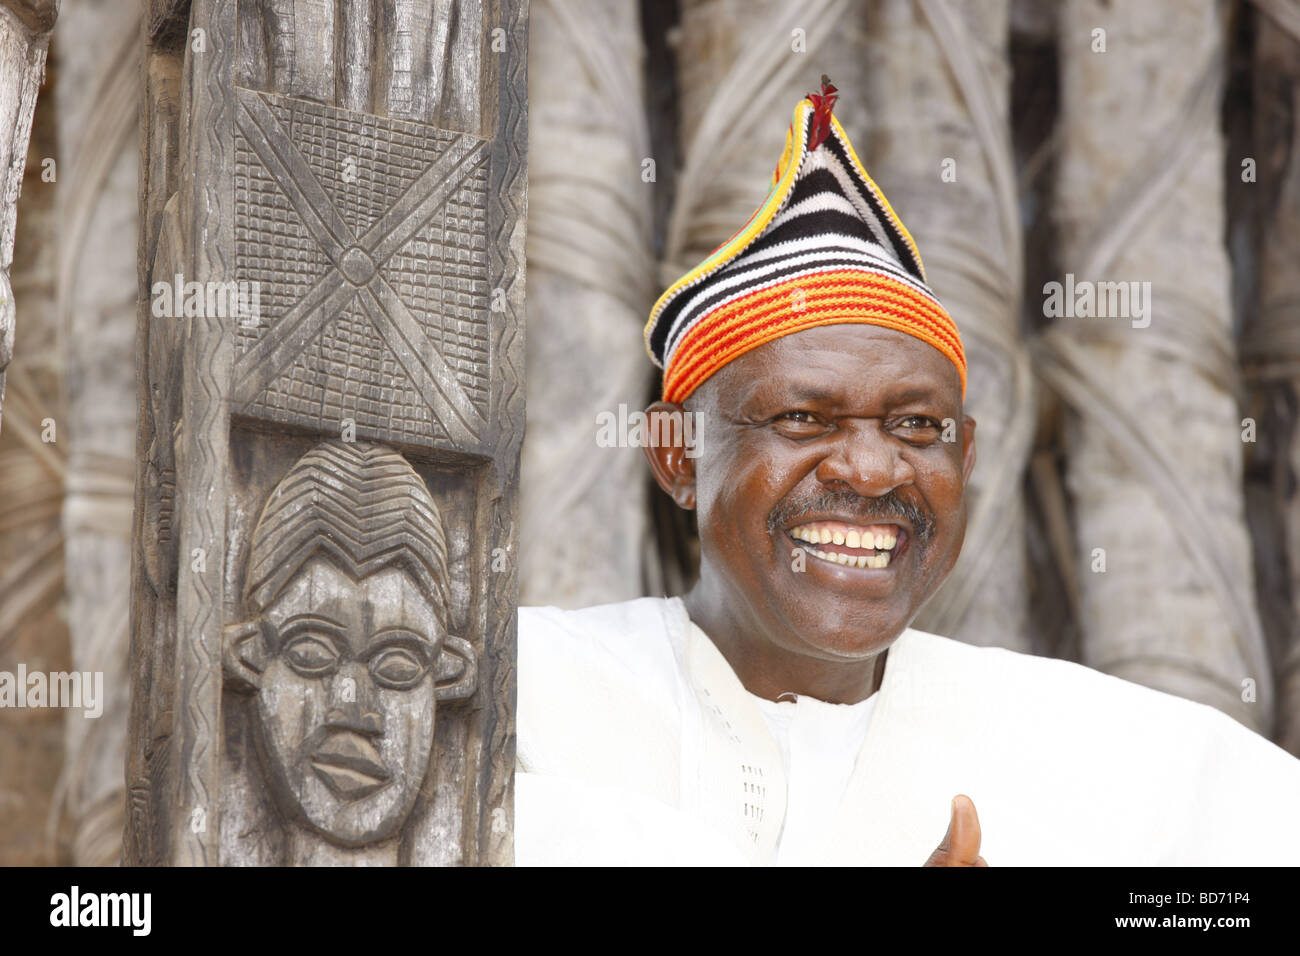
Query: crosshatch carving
x=368, y=236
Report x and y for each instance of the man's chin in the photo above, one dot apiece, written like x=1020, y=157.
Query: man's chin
x=855, y=612
x=848, y=632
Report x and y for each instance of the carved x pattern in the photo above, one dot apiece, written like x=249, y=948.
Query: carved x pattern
x=356, y=263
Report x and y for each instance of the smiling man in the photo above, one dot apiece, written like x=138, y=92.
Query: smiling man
x=785, y=711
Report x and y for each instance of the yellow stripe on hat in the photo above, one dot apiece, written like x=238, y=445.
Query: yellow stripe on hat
x=843, y=137
x=854, y=262
x=765, y=213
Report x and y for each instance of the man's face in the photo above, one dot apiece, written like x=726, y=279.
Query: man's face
x=836, y=432
x=347, y=698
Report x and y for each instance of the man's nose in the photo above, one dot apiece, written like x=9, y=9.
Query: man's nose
x=865, y=459
x=351, y=702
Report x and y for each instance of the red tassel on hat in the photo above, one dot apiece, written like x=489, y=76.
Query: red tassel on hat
x=821, y=121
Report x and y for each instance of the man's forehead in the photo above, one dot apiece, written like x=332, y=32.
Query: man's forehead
x=827, y=363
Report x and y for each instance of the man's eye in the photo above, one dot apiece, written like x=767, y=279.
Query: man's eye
x=397, y=667
x=798, y=417
x=311, y=656
x=918, y=427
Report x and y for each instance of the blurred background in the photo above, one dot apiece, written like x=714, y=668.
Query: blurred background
x=1134, y=505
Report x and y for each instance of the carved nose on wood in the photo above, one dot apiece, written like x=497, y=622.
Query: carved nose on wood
x=350, y=702
x=351, y=717
x=357, y=266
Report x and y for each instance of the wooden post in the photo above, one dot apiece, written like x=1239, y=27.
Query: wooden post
x=96, y=96
x=591, y=277
x=1270, y=347
x=24, y=41
x=330, y=365
x=1154, y=438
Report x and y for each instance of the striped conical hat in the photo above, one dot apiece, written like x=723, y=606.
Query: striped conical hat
x=825, y=247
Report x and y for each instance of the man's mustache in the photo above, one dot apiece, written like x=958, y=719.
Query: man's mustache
x=854, y=508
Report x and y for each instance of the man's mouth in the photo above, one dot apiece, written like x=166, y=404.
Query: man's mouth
x=852, y=545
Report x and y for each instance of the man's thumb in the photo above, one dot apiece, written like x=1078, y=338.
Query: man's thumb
x=961, y=844
x=963, y=837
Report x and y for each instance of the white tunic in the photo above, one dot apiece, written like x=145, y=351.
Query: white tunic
x=819, y=744
x=637, y=744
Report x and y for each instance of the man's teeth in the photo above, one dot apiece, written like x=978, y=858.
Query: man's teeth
x=880, y=539
x=861, y=561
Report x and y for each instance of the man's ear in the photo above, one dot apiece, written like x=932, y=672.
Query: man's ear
x=673, y=467
x=967, y=448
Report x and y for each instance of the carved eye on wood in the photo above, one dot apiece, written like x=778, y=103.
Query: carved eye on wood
x=398, y=668
x=311, y=656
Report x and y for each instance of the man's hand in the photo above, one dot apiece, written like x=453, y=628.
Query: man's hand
x=961, y=844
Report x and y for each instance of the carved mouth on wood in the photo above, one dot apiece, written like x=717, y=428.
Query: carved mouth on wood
x=350, y=766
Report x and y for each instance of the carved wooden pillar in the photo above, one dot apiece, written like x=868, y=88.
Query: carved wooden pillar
x=32, y=627
x=323, y=629
x=1153, y=438
x=1270, y=346
x=583, y=510
x=24, y=41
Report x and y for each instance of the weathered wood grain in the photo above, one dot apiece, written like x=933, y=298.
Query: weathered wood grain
x=24, y=42
x=340, y=540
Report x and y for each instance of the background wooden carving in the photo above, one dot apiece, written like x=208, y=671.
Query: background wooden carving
x=693, y=87
x=376, y=206
x=24, y=42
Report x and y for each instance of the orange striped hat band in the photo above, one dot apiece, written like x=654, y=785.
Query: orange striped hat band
x=824, y=248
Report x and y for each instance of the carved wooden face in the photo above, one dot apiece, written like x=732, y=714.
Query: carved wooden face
x=346, y=700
